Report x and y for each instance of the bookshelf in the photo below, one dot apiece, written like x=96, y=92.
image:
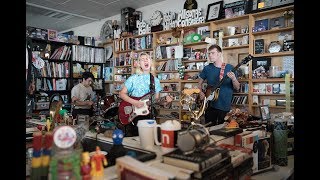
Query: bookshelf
x=91, y=59
x=55, y=74
x=126, y=53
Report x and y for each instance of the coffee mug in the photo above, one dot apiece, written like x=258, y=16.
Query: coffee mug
x=169, y=134
x=145, y=129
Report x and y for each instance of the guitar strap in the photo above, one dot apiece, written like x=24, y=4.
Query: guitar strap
x=223, y=67
x=152, y=91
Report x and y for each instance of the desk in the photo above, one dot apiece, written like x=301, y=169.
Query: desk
x=278, y=172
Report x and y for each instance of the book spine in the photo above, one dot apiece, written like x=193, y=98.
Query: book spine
x=214, y=159
x=215, y=167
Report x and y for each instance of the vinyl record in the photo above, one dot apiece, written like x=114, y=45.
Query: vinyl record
x=109, y=52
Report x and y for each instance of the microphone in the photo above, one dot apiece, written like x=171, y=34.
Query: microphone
x=193, y=139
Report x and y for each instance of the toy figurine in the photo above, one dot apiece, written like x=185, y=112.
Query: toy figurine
x=85, y=166
x=97, y=162
x=117, y=150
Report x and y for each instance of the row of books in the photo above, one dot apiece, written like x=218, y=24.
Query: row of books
x=62, y=53
x=45, y=84
x=244, y=87
x=54, y=69
x=170, y=65
x=144, y=42
x=269, y=88
x=239, y=99
x=164, y=52
x=88, y=54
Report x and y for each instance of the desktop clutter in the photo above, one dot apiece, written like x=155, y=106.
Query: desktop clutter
x=244, y=145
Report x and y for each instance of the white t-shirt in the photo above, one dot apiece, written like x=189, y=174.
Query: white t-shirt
x=83, y=93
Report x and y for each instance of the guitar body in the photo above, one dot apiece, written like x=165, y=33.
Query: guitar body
x=127, y=112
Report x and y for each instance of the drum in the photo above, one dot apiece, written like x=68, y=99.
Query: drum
x=109, y=106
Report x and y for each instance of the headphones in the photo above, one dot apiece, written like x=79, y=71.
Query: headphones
x=195, y=138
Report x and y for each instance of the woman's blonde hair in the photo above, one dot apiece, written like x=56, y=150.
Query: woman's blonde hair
x=139, y=69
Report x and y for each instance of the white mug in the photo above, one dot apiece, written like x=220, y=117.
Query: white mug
x=145, y=129
x=169, y=134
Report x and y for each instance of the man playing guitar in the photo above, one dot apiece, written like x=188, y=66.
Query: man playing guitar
x=213, y=73
x=138, y=85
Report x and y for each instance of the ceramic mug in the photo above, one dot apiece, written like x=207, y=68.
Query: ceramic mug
x=169, y=134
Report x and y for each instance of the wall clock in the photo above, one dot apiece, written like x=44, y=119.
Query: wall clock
x=156, y=18
x=106, y=32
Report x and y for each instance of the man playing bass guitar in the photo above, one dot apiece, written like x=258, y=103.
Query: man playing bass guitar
x=213, y=73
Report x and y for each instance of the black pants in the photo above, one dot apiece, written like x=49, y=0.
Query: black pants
x=215, y=116
x=131, y=129
x=75, y=112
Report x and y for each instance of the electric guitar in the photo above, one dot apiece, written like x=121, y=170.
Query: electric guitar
x=127, y=112
x=212, y=93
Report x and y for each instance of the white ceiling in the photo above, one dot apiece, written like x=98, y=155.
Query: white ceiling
x=62, y=15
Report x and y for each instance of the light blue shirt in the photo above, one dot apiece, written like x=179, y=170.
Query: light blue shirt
x=139, y=85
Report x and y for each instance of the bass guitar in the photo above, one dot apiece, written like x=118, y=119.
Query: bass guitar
x=127, y=112
x=212, y=92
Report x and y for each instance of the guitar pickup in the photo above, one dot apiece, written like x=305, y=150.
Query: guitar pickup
x=145, y=112
x=148, y=103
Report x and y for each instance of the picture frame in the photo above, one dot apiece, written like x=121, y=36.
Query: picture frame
x=261, y=25
x=264, y=112
x=277, y=22
x=214, y=11
x=88, y=41
x=52, y=35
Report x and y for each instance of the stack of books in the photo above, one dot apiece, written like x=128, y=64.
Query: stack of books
x=213, y=162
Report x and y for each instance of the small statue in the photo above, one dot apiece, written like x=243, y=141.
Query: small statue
x=98, y=161
x=117, y=150
x=85, y=166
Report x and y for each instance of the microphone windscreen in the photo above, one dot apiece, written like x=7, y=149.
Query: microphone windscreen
x=186, y=142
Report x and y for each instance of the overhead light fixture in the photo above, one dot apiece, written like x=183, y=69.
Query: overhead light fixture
x=51, y=9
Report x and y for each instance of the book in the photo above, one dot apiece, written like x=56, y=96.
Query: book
x=214, y=168
x=227, y=132
x=198, y=160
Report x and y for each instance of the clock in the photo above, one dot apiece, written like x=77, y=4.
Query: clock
x=156, y=18
x=274, y=47
x=106, y=32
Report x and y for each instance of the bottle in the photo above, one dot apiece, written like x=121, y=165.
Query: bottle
x=47, y=51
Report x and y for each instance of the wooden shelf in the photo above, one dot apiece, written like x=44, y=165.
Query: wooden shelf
x=235, y=36
x=271, y=31
x=236, y=93
x=157, y=60
x=243, y=80
x=164, y=45
x=170, y=81
x=246, y=16
x=194, y=60
x=236, y=47
x=167, y=109
x=271, y=80
x=93, y=63
x=283, y=53
x=189, y=81
x=260, y=94
x=108, y=81
x=56, y=60
x=141, y=35
x=196, y=43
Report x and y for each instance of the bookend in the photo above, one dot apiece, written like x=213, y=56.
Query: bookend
x=195, y=138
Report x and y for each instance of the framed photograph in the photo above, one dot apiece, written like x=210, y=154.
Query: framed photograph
x=88, y=41
x=265, y=113
x=259, y=46
x=214, y=11
x=261, y=25
x=52, y=35
x=277, y=22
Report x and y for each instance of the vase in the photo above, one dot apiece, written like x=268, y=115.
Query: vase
x=280, y=135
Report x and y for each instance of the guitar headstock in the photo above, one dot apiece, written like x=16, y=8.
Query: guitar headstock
x=246, y=59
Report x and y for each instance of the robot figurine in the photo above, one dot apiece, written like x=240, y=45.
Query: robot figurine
x=117, y=150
